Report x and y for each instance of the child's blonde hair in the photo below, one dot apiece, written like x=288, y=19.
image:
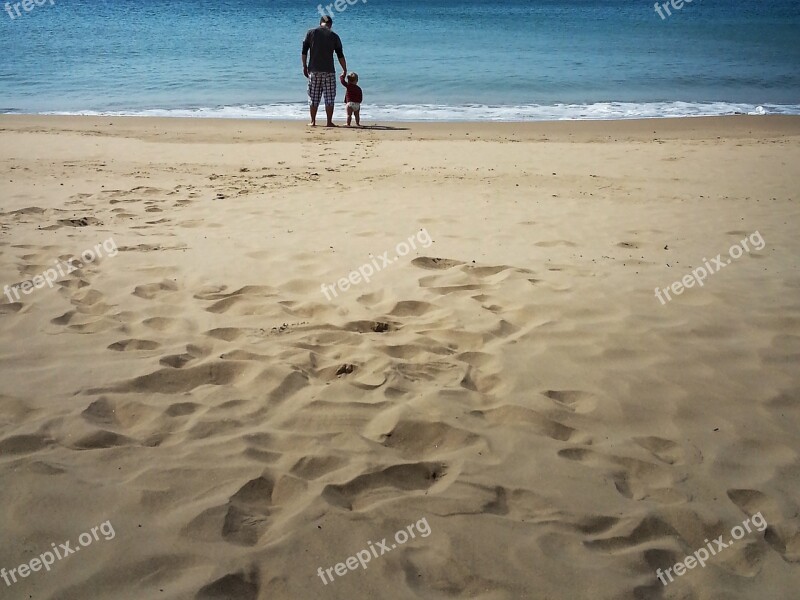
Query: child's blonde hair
x=353, y=76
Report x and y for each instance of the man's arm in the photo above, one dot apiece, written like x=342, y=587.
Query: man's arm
x=340, y=55
x=306, y=47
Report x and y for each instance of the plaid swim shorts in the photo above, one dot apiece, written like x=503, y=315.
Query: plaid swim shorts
x=319, y=84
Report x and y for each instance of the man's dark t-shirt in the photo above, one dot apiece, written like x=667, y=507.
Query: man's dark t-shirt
x=322, y=42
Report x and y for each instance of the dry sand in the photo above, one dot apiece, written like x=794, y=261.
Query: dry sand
x=517, y=384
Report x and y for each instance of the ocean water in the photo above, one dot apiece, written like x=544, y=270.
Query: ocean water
x=417, y=59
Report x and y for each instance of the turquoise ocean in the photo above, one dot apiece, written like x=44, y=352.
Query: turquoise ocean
x=417, y=59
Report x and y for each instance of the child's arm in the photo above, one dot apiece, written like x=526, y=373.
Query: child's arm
x=341, y=78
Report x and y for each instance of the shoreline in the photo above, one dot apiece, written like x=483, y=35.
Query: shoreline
x=516, y=112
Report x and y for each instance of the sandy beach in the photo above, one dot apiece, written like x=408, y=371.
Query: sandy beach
x=503, y=376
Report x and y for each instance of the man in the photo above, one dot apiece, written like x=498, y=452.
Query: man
x=320, y=72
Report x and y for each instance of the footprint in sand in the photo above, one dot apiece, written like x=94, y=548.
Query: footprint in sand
x=151, y=291
x=314, y=467
x=573, y=400
x=389, y=483
x=24, y=444
x=178, y=361
x=170, y=380
x=133, y=344
x=421, y=439
x=435, y=264
x=79, y=222
x=234, y=586
x=509, y=415
x=633, y=478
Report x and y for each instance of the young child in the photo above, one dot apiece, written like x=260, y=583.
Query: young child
x=352, y=98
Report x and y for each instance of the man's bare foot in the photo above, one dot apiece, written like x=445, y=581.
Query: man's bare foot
x=331, y=124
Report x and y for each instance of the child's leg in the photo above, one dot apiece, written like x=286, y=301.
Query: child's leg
x=358, y=117
x=350, y=116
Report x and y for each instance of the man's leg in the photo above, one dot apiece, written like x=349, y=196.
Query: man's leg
x=314, y=96
x=329, y=93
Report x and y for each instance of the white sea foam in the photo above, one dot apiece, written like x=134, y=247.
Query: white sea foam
x=472, y=112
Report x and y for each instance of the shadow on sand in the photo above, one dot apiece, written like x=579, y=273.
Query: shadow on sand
x=376, y=127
